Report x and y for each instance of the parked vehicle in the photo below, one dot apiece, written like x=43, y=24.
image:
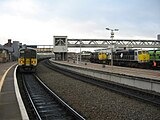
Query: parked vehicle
x=131, y=58
x=154, y=58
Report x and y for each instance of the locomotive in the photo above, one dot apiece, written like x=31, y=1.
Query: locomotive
x=131, y=58
x=98, y=57
x=27, y=59
x=154, y=58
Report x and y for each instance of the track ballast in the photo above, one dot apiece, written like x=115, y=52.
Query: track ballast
x=46, y=105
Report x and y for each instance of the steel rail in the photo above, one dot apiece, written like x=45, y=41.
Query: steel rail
x=61, y=101
x=63, y=110
x=31, y=101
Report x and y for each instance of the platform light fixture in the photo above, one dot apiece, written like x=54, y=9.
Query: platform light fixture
x=112, y=36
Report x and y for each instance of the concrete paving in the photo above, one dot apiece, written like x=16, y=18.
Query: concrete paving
x=9, y=108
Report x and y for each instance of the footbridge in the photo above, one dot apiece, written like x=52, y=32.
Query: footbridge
x=120, y=43
x=99, y=43
x=62, y=43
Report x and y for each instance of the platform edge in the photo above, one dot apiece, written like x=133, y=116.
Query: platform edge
x=19, y=99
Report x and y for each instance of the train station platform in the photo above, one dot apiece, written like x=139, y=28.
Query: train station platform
x=144, y=79
x=135, y=72
x=9, y=104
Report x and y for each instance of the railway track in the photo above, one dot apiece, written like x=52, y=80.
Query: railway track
x=46, y=105
x=139, y=94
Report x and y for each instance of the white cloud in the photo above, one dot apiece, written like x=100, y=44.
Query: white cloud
x=36, y=22
x=20, y=7
x=29, y=31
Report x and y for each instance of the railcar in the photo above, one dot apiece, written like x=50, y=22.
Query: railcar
x=98, y=57
x=27, y=60
x=85, y=55
x=131, y=58
x=154, y=58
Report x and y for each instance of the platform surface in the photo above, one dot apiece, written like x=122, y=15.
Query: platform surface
x=135, y=72
x=9, y=109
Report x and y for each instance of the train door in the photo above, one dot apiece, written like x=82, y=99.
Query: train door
x=136, y=55
x=139, y=56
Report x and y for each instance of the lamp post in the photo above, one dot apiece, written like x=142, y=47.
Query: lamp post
x=80, y=52
x=112, y=36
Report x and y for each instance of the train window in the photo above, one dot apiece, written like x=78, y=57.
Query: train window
x=158, y=53
x=32, y=54
x=22, y=54
x=144, y=52
x=28, y=54
x=139, y=52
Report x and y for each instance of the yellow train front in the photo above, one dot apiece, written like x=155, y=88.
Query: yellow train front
x=131, y=58
x=98, y=57
x=27, y=60
x=143, y=56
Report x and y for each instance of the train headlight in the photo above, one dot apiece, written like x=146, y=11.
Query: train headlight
x=21, y=62
x=33, y=62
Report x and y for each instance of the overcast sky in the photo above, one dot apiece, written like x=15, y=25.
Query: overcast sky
x=37, y=21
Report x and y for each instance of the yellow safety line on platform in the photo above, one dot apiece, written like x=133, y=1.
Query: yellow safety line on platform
x=4, y=76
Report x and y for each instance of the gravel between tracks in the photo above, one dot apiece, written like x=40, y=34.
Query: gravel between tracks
x=95, y=103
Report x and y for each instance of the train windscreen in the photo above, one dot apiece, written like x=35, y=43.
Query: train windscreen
x=28, y=53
